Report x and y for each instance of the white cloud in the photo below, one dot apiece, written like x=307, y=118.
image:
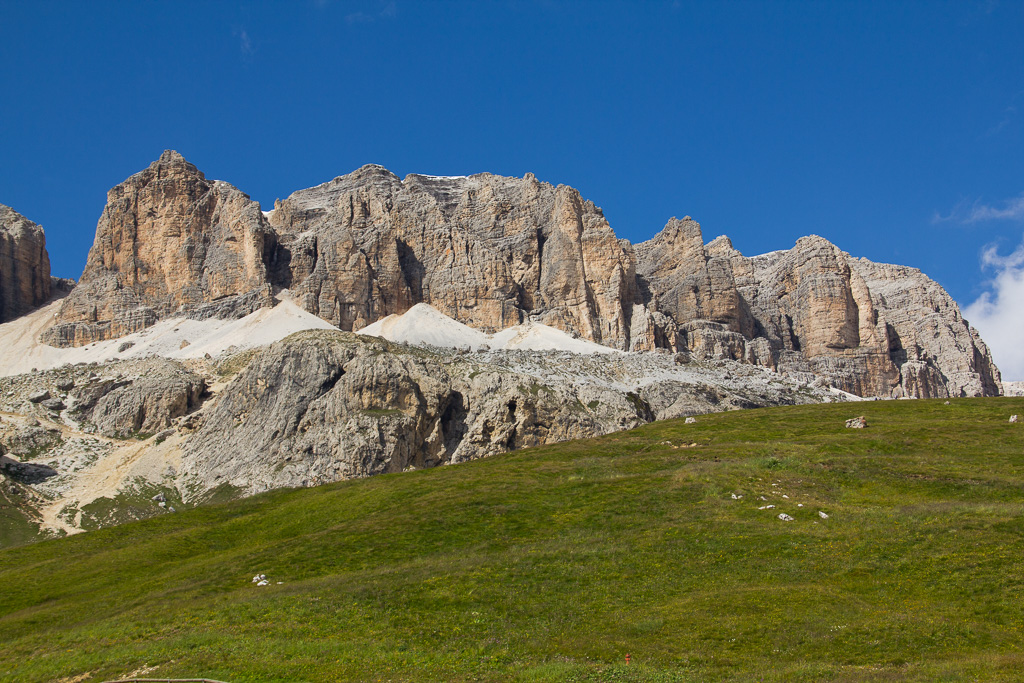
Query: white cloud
x=999, y=314
x=1009, y=115
x=1011, y=209
x=382, y=9
x=359, y=18
x=1007, y=210
x=244, y=42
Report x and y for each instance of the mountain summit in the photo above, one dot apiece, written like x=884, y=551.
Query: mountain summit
x=493, y=252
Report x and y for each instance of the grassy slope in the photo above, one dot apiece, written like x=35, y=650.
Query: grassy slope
x=17, y=515
x=554, y=563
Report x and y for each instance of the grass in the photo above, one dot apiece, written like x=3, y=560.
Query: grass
x=129, y=505
x=18, y=521
x=42, y=449
x=235, y=363
x=552, y=564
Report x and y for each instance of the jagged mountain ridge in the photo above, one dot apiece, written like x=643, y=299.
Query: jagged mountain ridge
x=492, y=252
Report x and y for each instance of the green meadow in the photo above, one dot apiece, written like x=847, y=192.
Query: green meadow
x=555, y=563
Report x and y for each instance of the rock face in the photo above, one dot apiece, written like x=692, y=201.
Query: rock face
x=322, y=406
x=493, y=252
x=1013, y=388
x=27, y=441
x=937, y=352
x=486, y=250
x=125, y=399
x=169, y=242
x=24, y=265
x=326, y=406
x=148, y=400
x=814, y=311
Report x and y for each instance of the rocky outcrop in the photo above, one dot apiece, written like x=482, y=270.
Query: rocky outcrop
x=493, y=252
x=169, y=242
x=815, y=312
x=937, y=352
x=27, y=441
x=142, y=402
x=120, y=399
x=24, y=265
x=326, y=406
x=690, y=283
x=323, y=406
x=1013, y=388
x=488, y=251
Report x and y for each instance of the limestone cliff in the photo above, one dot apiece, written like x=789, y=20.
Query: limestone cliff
x=815, y=311
x=24, y=265
x=168, y=242
x=486, y=250
x=937, y=352
x=492, y=252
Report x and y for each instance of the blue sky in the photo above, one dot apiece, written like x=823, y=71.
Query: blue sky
x=896, y=130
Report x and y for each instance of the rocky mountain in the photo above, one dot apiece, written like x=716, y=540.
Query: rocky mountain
x=24, y=265
x=870, y=329
x=322, y=406
x=207, y=350
x=168, y=241
x=488, y=251
x=493, y=252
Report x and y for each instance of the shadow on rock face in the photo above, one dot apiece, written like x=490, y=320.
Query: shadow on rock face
x=26, y=472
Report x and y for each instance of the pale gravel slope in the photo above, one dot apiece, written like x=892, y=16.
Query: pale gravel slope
x=21, y=351
x=425, y=325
